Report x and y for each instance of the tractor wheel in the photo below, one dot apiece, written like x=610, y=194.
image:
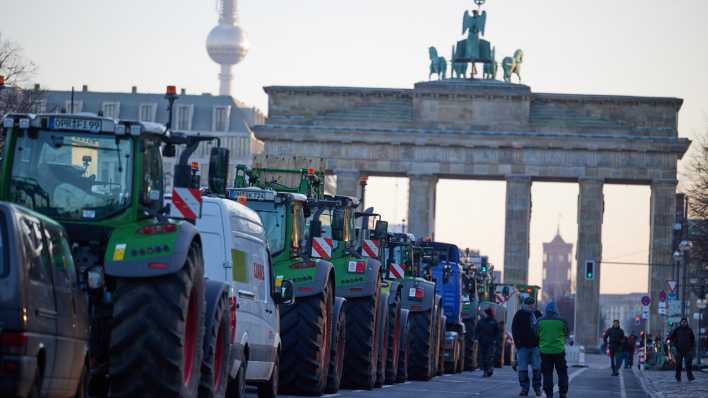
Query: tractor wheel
x=403, y=349
x=421, y=345
x=461, y=359
x=269, y=389
x=215, y=364
x=441, y=345
x=305, y=329
x=336, y=361
x=394, y=346
x=382, y=329
x=361, y=352
x=470, y=360
x=158, y=333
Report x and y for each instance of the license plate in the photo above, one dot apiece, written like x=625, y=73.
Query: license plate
x=252, y=195
x=79, y=124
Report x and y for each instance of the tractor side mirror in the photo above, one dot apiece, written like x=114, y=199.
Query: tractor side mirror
x=169, y=151
x=285, y=294
x=218, y=170
x=315, y=229
x=381, y=230
x=338, y=225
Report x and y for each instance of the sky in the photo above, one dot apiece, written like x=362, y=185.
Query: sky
x=648, y=47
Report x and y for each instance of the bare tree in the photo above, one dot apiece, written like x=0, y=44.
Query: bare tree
x=697, y=191
x=17, y=71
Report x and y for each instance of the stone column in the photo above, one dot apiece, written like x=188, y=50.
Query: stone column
x=348, y=183
x=662, y=217
x=591, y=208
x=421, y=205
x=517, y=228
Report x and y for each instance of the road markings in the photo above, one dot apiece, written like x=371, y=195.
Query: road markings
x=330, y=395
x=388, y=385
x=571, y=377
x=623, y=391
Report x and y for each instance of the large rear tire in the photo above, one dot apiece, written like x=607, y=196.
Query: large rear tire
x=215, y=365
x=158, y=333
x=394, y=346
x=441, y=344
x=382, y=331
x=470, y=355
x=360, y=355
x=421, y=348
x=305, y=328
x=336, y=362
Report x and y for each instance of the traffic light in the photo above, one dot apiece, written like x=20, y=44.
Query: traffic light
x=589, y=270
x=485, y=264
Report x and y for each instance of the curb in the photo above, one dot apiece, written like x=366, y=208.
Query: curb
x=647, y=386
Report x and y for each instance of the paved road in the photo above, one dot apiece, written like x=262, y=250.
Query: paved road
x=594, y=381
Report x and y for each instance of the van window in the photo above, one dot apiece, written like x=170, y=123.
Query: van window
x=35, y=251
x=239, y=270
x=62, y=261
x=4, y=248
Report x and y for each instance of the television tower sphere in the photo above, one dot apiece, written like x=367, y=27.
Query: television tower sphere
x=227, y=44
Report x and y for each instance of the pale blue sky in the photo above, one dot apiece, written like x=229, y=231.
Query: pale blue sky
x=648, y=47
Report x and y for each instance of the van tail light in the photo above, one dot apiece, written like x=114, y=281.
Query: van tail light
x=13, y=342
x=416, y=293
x=232, y=313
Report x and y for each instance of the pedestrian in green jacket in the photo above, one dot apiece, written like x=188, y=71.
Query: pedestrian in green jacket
x=552, y=335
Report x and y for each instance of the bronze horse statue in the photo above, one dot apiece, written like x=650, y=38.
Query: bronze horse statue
x=512, y=65
x=438, y=65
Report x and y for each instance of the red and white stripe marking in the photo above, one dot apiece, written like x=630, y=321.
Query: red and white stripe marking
x=396, y=270
x=322, y=247
x=187, y=203
x=370, y=248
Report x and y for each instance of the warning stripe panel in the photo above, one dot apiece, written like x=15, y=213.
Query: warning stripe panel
x=187, y=202
x=396, y=270
x=370, y=248
x=322, y=247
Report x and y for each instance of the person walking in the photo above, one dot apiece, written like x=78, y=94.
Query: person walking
x=629, y=346
x=487, y=332
x=614, y=338
x=684, y=341
x=524, y=329
x=552, y=336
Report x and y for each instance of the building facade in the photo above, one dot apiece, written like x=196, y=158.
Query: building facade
x=622, y=307
x=204, y=114
x=557, y=265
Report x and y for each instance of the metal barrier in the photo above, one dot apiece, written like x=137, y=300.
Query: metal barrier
x=575, y=355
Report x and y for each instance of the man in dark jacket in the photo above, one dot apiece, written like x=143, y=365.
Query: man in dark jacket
x=523, y=329
x=683, y=340
x=614, y=338
x=552, y=336
x=487, y=332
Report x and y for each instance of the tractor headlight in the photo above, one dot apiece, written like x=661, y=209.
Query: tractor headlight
x=95, y=278
x=24, y=123
x=135, y=129
x=8, y=122
x=120, y=129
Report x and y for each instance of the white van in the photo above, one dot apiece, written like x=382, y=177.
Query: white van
x=236, y=251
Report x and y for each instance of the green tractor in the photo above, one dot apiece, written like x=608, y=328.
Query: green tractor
x=421, y=348
x=102, y=179
x=312, y=329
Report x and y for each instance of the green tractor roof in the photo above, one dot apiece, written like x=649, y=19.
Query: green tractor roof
x=83, y=122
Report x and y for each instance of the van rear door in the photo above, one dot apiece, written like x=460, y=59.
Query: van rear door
x=214, y=241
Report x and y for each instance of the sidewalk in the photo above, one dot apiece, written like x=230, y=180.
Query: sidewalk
x=662, y=384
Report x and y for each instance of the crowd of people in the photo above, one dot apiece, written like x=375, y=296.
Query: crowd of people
x=540, y=340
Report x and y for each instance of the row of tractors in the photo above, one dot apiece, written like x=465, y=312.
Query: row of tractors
x=371, y=307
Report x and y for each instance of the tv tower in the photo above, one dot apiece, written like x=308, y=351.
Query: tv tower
x=227, y=44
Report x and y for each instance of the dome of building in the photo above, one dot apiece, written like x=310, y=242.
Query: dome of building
x=227, y=44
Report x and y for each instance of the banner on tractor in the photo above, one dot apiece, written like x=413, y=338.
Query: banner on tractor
x=186, y=203
x=370, y=248
x=322, y=247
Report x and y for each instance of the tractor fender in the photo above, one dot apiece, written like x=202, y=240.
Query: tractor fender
x=418, y=305
x=169, y=263
x=320, y=278
x=213, y=290
x=368, y=287
x=394, y=292
x=404, y=321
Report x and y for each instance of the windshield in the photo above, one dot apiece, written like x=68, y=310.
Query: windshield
x=71, y=175
x=273, y=218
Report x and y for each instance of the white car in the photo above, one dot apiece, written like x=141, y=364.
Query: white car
x=236, y=252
